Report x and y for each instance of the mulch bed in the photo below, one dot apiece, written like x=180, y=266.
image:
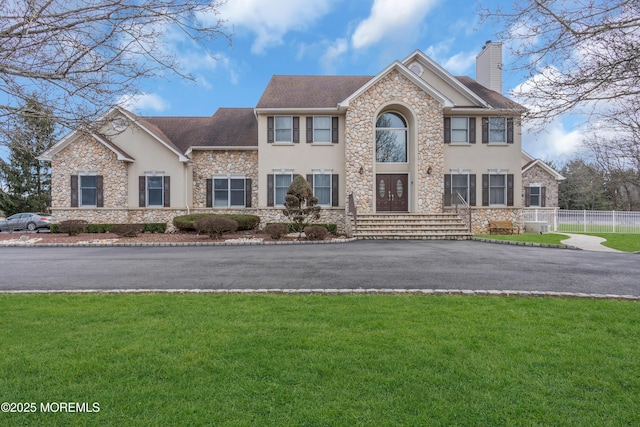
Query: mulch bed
x=60, y=238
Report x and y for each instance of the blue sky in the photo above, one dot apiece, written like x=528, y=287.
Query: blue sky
x=333, y=37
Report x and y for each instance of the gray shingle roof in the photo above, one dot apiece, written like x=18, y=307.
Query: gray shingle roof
x=495, y=99
x=227, y=127
x=309, y=91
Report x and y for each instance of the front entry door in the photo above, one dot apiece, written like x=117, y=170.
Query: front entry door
x=392, y=193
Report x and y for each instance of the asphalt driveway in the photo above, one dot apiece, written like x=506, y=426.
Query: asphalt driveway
x=467, y=265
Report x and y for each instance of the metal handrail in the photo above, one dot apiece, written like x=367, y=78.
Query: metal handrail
x=460, y=200
x=353, y=210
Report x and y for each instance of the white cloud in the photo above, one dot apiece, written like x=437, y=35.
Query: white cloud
x=554, y=142
x=460, y=62
x=271, y=20
x=390, y=18
x=457, y=64
x=332, y=55
x=143, y=102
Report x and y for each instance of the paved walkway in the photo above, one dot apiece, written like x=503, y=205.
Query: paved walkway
x=587, y=243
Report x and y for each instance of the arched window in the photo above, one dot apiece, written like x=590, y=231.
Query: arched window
x=391, y=138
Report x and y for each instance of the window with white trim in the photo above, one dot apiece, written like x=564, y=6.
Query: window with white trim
x=459, y=129
x=229, y=191
x=88, y=190
x=497, y=189
x=282, y=181
x=534, y=195
x=497, y=130
x=155, y=190
x=460, y=185
x=322, y=188
x=283, y=129
x=321, y=129
x=391, y=138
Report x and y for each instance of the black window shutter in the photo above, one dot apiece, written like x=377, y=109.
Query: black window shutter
x=510, y=130
x=99, y=191
x=167, y=191
x=310, y=180
x=447, y=130
x=209, y=193
x=447, y=189
x=270, y=127
x=472, y=189
x=335, y=199
x=247, y=193
x=485, y=189
x=296, y=129
x=309, y=130
x=334, y=130
x=510, y=189
x=485, y=130
x=74, y=191
x=472, y=130
x=543, y=197
x=527, y=197
x=142, y=196
x=270, y=189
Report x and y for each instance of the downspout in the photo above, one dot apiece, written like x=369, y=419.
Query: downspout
x=186, y=188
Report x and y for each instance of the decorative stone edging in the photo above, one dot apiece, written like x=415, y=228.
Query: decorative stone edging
x=236, y=242
x=330, y=291
x=536, y=245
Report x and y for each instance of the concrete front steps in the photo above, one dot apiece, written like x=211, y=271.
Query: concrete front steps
x=437, y=226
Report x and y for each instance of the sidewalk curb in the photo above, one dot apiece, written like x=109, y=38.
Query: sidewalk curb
x=535, y=245
x=329, y=291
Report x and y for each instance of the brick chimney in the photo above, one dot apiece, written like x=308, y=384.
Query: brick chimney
x=489, y=66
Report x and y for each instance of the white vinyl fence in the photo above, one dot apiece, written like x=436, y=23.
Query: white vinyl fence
x=585, y=221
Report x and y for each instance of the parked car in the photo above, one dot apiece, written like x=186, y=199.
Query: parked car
x=26, y=221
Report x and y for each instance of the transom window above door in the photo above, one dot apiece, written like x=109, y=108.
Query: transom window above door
x=391, y=139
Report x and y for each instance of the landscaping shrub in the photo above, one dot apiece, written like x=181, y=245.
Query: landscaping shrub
x=127, y=230
x=275, y=231
x=99, y=228
x=73, y=227
x=187, y=222
x=245, y=222
x=215, y=226
x=155, y=227
x=316, y=232
x=293, y=228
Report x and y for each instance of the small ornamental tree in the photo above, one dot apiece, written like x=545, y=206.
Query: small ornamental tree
x=300, y=205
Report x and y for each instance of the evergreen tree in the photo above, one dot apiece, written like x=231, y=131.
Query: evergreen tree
x=300, y=205
x=26, y=181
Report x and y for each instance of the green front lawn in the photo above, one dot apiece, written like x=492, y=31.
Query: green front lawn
x=550, y=239
x=293, y=360
x=621, y=242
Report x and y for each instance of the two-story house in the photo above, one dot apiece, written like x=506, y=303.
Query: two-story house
x=407, y=140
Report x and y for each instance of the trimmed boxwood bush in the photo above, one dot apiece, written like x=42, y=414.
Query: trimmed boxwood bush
x=245, y=222
x=73, y=227
x=148, y=227
x=293, y=228
x=214, y=227
x=316, y=232
x=127, y=230
x=275, y=231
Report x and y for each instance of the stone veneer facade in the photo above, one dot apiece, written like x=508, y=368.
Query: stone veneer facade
x=394, y=92
x=210, y=163
x=89, y=155
x=537, y=175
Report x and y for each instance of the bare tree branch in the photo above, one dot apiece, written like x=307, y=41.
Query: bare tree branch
x=79, y=56
x=580, y=55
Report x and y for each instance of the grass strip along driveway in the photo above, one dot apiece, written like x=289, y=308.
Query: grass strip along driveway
x=280, y=360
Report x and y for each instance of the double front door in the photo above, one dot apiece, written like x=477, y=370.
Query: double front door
x=392, y=193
